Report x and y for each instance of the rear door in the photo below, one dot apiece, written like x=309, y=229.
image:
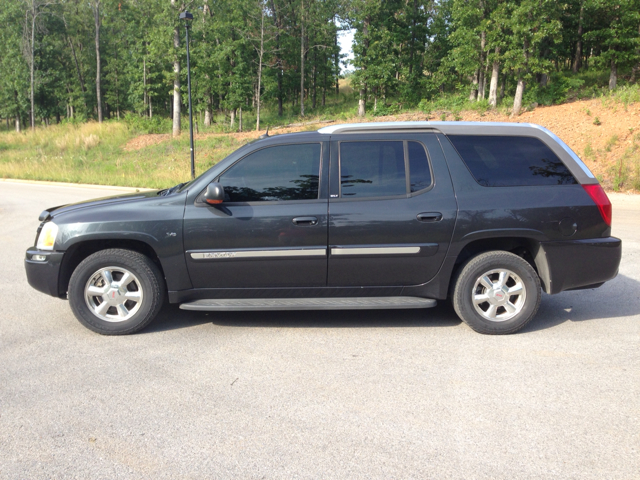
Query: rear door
x=392, y=210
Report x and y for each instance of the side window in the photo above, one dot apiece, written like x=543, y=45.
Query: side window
x=372, y=169
x=282, y=172
x=419, y=172
x=501, y=161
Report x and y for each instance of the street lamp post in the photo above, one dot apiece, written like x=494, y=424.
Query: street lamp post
x=186, y=16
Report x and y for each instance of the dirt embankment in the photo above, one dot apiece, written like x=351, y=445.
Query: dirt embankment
x=599, y=133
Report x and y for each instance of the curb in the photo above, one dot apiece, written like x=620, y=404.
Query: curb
x=76, y=185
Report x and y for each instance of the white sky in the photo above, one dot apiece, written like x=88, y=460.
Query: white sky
x=345, y=40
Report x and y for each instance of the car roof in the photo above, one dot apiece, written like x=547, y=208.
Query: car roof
x=444, y=127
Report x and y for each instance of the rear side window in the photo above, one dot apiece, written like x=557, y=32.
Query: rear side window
x=419, y=171
x=283, y=172
x=372, y=169
x=505, y=161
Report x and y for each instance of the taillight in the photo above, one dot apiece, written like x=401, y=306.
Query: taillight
x=601, y=200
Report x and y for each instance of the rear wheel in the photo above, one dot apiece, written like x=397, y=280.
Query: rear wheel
x=116, y=292
x=496, y=293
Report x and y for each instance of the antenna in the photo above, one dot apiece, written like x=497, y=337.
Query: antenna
x=265, y=134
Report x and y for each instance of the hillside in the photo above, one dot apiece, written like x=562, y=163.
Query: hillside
x=603, y=132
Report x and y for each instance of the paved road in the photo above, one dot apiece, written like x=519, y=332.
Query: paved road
x=382, y=394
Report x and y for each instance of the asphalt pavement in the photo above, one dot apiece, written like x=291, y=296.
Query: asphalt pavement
x=318, y=395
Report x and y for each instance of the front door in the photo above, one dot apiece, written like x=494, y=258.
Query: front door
x=271, y=230
x=392, y=210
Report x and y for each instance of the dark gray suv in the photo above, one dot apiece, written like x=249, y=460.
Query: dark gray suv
x=361, y=216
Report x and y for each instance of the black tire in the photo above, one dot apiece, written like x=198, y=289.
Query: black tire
x=145, y=282
x=505, y=311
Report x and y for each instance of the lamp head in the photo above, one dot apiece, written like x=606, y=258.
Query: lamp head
x=186, y=16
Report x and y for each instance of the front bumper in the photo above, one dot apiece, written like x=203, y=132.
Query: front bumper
x=43, y=275
x=579, y=264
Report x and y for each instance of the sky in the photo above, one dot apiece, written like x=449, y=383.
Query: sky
x=345, y=40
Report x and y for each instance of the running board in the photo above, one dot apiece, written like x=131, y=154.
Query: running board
x=341, y=303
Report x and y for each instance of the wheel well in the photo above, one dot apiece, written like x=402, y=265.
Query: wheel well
x=78, y=252
x=525, y=248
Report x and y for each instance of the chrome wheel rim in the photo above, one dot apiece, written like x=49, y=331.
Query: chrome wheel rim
x=113, y=294
x=498, y=295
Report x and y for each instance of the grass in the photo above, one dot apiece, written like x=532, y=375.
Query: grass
x=94, y=153
x=625, y=173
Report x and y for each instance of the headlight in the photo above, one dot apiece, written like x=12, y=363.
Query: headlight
x=47, y=237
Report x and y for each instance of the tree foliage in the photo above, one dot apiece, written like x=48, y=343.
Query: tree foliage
x=285, y=52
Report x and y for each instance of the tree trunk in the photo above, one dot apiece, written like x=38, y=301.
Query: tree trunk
x=32, y=67
x=362, y=107
x=324, y=87
x=18, y=123
x=544, y=79
x=260, y=72
x=613, y=76
x=517, y=101
x=207, y=114
x=240, y=119
x=313, y=81
x=578, y=58
x=144, y=85
x=362, y=101
x=233, y=118
x=481, y=75
x=474, y=87
x=495, y=73
x=337, y=60
x=96, y=13
x=302, y=61
x=636, y=68
x=75, y=59
x=176, y=81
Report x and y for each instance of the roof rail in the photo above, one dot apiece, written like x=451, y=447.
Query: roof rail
x=404, y=126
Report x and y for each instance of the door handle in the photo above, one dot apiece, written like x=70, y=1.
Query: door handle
x=305, y=221
x=430, y=217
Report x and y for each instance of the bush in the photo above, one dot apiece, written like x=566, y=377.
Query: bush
x=559, y=89
x=138, y=124
x=383, y=109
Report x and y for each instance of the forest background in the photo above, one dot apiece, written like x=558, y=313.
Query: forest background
x=81, y=78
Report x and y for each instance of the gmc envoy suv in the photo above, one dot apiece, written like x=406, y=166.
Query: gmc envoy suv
x=359, y=216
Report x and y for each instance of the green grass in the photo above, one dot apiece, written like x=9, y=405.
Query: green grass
x=94, y=153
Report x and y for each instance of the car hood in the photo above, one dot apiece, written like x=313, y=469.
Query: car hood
x=96, y=202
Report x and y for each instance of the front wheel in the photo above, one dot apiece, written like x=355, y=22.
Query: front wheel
x=496, y=293
x=116, y=291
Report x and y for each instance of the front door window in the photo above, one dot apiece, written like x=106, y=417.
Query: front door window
x=279, y=173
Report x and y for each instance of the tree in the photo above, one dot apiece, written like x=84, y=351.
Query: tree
x=35, y=9
x=618, y=37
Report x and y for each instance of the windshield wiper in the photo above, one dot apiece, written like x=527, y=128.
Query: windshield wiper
x=169, y=191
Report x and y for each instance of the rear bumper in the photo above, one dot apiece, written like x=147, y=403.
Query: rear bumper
x=43, y=275
x=579, y=263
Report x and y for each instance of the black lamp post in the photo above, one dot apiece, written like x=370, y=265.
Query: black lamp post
x=186, y=16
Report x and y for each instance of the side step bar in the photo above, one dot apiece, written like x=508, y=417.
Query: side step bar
x=341, y=303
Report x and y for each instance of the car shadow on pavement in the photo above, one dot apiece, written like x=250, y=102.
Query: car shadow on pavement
x=617, y=298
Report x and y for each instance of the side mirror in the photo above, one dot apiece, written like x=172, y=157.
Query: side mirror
x=214, y=194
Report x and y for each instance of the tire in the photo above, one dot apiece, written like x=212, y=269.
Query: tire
x=116, y=292
x=509, y=286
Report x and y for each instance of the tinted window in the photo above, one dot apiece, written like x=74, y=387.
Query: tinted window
x=284, y=172
x=372, y=169
x=511, y=161
x=419, y=172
